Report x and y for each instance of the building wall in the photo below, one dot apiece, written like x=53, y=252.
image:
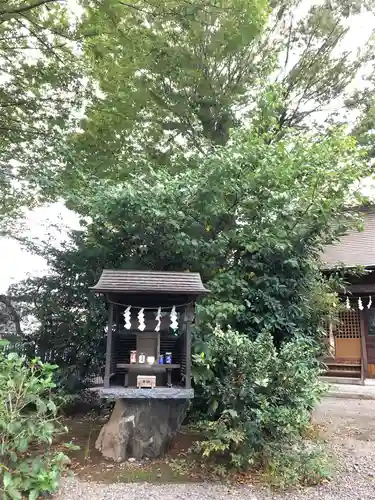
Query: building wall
x=348, y=340
x=357, y=248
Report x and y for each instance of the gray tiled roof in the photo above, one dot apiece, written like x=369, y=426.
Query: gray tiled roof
x=355, y=248
x=122, y=280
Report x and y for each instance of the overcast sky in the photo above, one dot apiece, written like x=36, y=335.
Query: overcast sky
x=16, y=263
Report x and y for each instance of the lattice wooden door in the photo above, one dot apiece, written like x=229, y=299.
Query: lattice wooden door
x=348, y=336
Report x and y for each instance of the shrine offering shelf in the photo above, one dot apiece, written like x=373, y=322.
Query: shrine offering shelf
x=147, y=367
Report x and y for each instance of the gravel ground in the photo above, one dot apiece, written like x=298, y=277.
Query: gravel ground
x=350, y=426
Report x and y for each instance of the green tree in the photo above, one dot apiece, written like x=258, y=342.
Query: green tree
x=364, y=125
x=182, y=76
x=41, y=88
x=68, y=322
x=251, y=217
x=169, y=76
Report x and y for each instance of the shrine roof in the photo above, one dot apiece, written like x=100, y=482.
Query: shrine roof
x=356, y=248
x=149, y=282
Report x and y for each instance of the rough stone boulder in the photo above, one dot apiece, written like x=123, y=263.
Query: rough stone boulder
x=141, y=428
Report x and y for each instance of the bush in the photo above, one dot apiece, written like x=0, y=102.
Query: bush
x=304, y=463
x=260, y=401
x=28, y=424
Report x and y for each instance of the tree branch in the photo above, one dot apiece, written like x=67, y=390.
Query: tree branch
x=289, y=42
x=25, y=8
x=134, y=7
x=40, y=39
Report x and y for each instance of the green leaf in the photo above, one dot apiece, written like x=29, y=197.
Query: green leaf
x=14, y=494
x=12, y=356
x=33, y=495
x=42, y=407
x=71, y=446
x=23, y=445
x=7, y=479
x=214, y=406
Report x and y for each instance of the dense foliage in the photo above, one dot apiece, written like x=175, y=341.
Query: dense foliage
x=200, y=148
x=260, y=403
x=41, y=90
x=184, y=75
x=28, y=424
x=251, y=218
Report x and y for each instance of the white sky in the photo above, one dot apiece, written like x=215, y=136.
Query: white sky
x=16, y=263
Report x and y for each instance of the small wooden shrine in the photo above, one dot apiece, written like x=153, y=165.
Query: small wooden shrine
x=148, y=358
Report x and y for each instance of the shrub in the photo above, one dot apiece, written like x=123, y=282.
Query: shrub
x=303, y=463
x=28, y=424
x=260, y=401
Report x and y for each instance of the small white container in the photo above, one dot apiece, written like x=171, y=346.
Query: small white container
x=150, y=360
x=133, y=357
x=141, y=359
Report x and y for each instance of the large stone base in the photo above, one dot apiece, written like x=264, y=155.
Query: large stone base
x=141, y=428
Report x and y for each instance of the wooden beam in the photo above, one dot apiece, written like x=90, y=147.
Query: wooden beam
x=189, y=322
x=364, y=361
x=360, y=288
x=108, y=354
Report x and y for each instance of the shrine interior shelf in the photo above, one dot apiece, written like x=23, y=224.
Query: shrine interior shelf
x=136, y=367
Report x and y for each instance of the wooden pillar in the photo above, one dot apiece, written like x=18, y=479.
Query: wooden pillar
x=117, y=316
x=331, y=341
x=189, y=323
x=364, y=362
x=108, y=354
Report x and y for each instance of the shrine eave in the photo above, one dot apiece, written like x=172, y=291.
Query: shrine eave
x=149, y=282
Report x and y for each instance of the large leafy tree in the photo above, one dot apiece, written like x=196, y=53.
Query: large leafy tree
x=251, y=218
x=171, y=76
x=40, y=90
x=166, y=180
x=364, y=126
x=184, y=75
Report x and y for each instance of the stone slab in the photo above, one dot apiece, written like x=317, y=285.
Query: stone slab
x=156, y=393
x=341, y=380
x=351, y=391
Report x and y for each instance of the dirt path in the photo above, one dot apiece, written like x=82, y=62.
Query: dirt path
x=347, y=417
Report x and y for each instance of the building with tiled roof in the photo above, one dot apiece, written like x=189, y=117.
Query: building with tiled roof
x=352, y=340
